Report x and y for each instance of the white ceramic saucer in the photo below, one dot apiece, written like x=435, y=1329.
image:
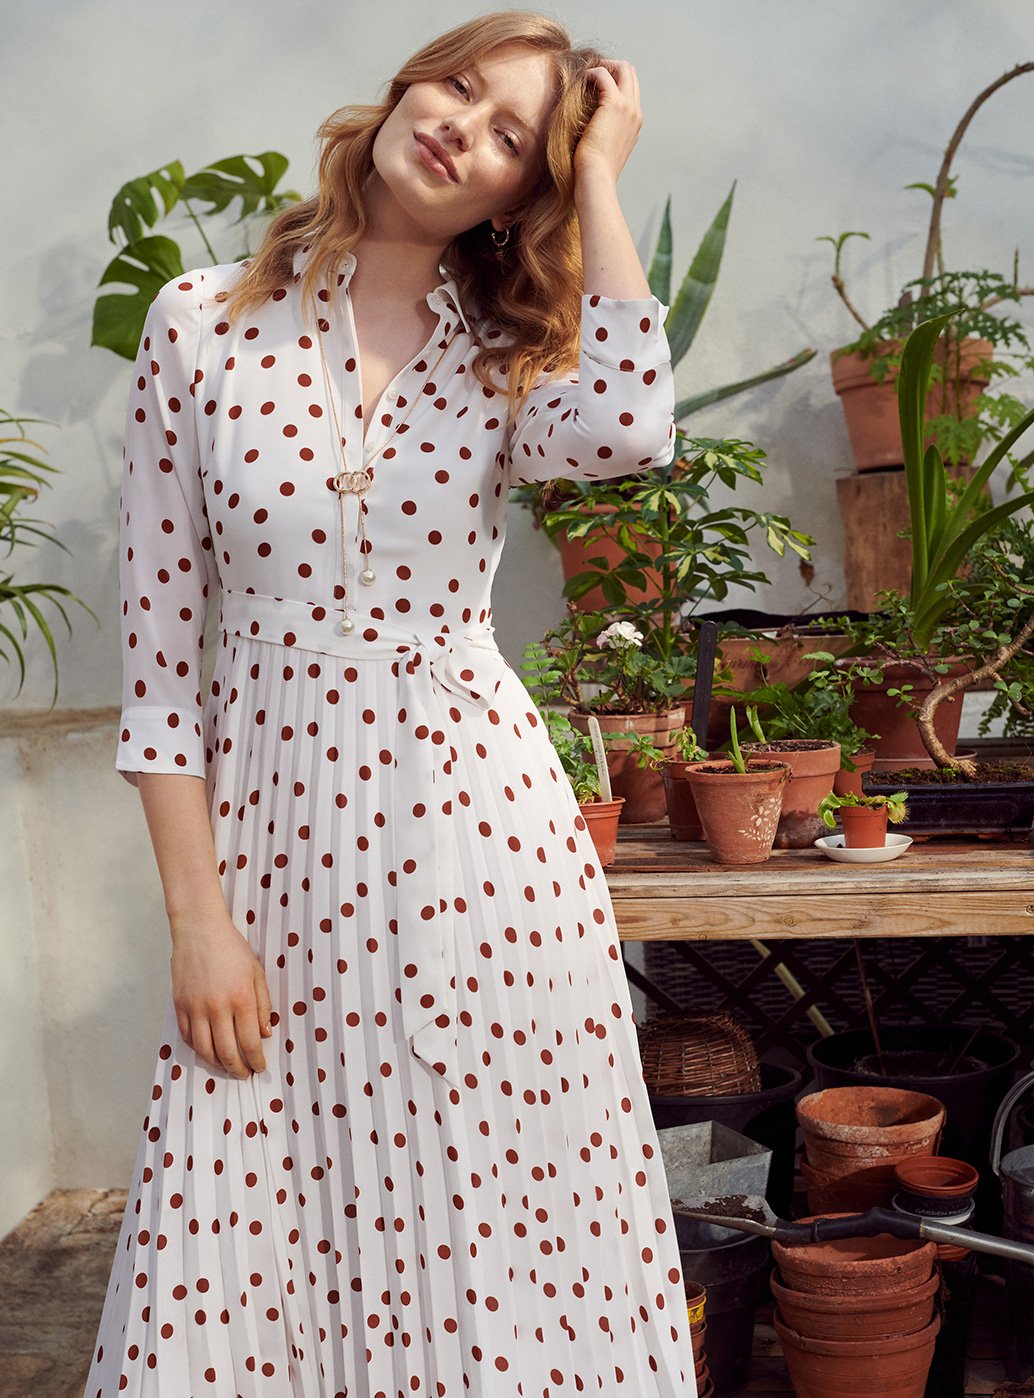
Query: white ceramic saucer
x=832, y=846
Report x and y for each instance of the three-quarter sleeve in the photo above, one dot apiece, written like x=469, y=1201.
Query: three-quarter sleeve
x=166, y=563
x=615, y=414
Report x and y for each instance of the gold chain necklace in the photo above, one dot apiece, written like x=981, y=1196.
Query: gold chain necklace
x=357, y=483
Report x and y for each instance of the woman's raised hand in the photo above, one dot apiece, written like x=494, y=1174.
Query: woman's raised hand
x=607, y=140
x=220, y=993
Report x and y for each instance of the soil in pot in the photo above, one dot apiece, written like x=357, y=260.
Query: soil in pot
x=739, y=811
x=683, y=819
x=999, y=801
x=813, y=768
x=641, y=787
x=602, y=817
x=865, y=827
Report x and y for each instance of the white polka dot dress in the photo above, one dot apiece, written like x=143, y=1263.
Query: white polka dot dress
x=446, y=1183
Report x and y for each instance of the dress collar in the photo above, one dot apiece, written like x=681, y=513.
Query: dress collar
x=446, y=293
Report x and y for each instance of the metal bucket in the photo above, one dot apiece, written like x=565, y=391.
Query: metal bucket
x=1016, y=1171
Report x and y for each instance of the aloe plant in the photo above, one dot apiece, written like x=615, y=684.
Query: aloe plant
x=944, y=530
x=147, y=260
x=687, y=311
x=21, y=479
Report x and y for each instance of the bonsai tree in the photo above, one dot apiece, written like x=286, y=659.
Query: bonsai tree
x=21, y=479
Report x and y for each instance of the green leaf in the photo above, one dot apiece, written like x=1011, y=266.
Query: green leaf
x=716, y=395
x=659, y=275
x=698, y=285
x=118, y=319
x=219, y=184
x=135, y=207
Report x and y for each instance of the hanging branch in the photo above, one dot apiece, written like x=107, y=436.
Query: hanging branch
x=940, y=193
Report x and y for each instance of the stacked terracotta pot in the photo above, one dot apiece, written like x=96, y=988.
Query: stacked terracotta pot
x=696, y=1300
x=853, y=1138
x=857, y=1316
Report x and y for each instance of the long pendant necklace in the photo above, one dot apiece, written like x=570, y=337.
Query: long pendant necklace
x=357, y=483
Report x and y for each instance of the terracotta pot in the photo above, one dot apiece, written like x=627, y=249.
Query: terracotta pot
x=894, y=1367
x=641, y=787
x=937, y=1177
x=813, y=767
x=854, y=1135
x=683, y=818
x=896, y=740
x=696, y=1303
x=852, y=1267
x=871, y=406
x=845, y=782
x=849, y=1188
x=828, y=1318
x=602, y=819
x=865, y=827
x=575, y=555
x=739, y=811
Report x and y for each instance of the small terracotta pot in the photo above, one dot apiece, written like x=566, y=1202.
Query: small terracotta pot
x=813, y=768
x=894, y=1367
x=683, y=818
x=854, y=1266
x=845, y=782
x=878, y=1316
x=865, y=827
x=696, y=1301
x=602, y=819
x=641, y=787
x=739, y=811
x=937, y=1177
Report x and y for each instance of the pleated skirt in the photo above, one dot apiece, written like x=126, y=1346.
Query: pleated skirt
x=346, y=1223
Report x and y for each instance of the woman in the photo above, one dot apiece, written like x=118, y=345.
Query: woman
x=399, y=1141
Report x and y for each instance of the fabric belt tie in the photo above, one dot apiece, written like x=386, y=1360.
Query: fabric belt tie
x=438, y=669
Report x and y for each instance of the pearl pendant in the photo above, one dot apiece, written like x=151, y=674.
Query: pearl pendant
x=367, y=576
x=347, y=626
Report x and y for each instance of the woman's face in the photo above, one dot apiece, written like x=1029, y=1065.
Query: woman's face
x=489, y=119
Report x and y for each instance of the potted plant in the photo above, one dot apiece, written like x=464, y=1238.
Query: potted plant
x=864, y=818
x=969, y=615
x=617, y=674
x=584, y=768
x=21, y=479
x=592, y=529
x=962, y=415
x=683, y=819
x=813, y=763
x=738, y=802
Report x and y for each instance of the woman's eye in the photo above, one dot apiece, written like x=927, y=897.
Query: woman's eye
x=457, y=83
x=510, y=142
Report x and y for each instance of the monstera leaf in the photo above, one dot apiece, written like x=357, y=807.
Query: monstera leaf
x=135, y=207
x=118, y=316
x=218, y=185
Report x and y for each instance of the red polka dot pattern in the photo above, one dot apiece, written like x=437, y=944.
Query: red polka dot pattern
x=446, y=1183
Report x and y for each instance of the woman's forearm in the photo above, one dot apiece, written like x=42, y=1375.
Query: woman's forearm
x=610, y=263
x=176, y=809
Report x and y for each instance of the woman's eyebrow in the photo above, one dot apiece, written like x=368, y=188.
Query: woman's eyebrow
x=508, y=111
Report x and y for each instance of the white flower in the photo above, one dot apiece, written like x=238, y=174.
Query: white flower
x=618, y=635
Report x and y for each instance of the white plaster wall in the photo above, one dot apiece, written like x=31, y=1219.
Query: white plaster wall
x=820, y=109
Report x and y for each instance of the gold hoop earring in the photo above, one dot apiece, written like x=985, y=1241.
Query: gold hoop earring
x=500, y=243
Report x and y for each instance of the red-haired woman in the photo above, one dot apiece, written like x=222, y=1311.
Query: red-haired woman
x=398, y=1140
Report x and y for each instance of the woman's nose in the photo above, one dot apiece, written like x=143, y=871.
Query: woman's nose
x=456, y=129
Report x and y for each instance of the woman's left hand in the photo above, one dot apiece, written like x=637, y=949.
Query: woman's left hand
x=607, y=140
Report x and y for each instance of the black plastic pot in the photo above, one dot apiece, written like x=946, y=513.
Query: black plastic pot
x=734, y=1269
x=767, y=1117
x=1003, y=808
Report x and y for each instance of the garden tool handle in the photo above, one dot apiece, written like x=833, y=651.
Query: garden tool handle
x=831, y=1230
x=1002, y=1117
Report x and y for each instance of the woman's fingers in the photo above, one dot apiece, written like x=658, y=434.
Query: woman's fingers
x=263, y=1002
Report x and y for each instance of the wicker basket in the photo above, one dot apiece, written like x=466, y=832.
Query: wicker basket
x=697, y=1056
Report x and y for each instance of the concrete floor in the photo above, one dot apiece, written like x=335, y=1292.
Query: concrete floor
x=54, y=1270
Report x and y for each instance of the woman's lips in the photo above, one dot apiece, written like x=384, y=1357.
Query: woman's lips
x=431, y=160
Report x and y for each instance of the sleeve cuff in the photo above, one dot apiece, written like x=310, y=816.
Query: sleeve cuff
x=625, y=334
x=160, y=740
